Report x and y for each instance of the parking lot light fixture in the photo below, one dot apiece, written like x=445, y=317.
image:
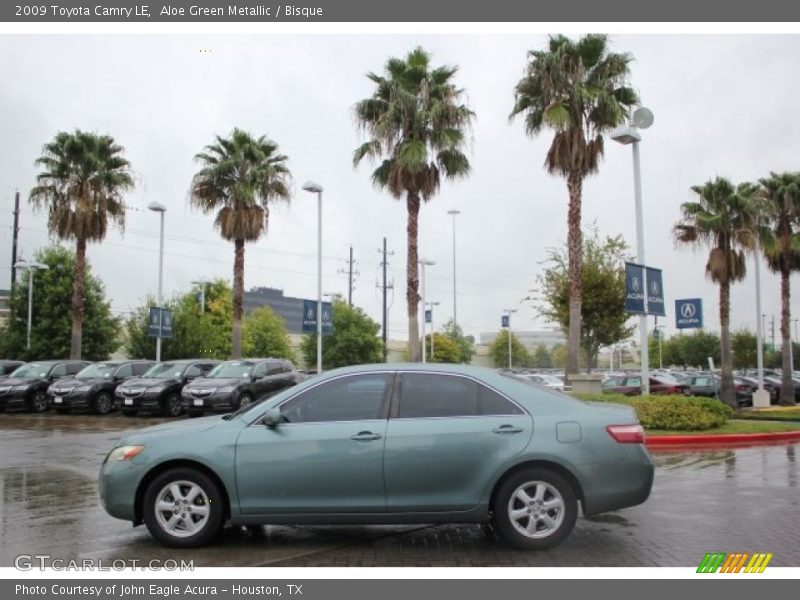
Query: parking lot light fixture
x=31, y=266
x=315, y=188
x=424, y=263
x=454, y=213
x=509, y=312
x=161, y=209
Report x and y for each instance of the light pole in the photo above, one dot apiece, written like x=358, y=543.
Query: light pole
x=454, y=212
x=761, y=396
x=202, y=283
x=509, y=312
x=31, y=267
x=642, y=119
x=431, y=305
x=658, y=330
x=161, y=209
x=424, y=263
x=315, y=188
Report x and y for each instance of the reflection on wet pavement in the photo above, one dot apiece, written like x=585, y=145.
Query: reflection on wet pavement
x=738, y=499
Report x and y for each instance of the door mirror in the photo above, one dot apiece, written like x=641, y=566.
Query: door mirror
x=273, y=418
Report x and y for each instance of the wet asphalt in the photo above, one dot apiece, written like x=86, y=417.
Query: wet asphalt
x=723, y=500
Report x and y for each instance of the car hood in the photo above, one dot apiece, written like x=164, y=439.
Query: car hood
x=215, y=383
x=16, y=381
x=146, y=382
x=185, y=427
x=74, y=381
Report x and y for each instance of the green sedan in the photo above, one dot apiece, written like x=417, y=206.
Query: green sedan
x=385, y=444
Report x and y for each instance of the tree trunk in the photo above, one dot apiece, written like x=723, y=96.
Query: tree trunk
x=238, y=299
x=574, y=249
x=727, y=391
x=77, y=299
x=412, y=277
x=787, y=384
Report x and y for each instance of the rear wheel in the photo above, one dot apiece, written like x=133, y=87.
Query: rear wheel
x=38, y=401
x=171, y=406
x=243, y=401
x=183, y=508
x=535, y=509
x=103, y=403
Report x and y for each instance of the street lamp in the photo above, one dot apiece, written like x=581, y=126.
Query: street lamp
x=423, y=263
x=431, y=305
x=642, y=119
x=454, y=212
x=315, y=188
x=202, y=283
x=161, y=209
x=508, y=312
x=30, y=267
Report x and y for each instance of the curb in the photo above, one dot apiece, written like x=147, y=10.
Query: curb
x=724, y=438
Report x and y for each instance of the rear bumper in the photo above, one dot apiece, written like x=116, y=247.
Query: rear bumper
x=614, y=485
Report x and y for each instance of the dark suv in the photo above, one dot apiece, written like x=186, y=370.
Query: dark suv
x=93, y=388
x=26, y=387
x=159, y=389
x=237, y=383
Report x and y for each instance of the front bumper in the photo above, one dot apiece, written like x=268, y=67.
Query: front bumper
x=118, y=483
x=217, y=401
x=71, y=399
x=145, y=400
x=13, y=398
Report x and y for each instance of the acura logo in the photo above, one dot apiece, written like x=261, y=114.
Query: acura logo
x=635, y=283
x=688, y=311
x=654, y=288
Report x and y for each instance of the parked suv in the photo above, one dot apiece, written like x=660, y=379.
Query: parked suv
x=9, y=366
x=26, y=387
x=237, y=383
x=93, y=388
x=159, y=389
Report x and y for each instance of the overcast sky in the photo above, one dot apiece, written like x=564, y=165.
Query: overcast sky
x=723, y=104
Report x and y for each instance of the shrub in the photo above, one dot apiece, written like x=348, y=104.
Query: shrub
x=676, y=413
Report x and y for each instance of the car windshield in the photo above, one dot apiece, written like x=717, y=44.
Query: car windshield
x=31, y=371
x=166, y=371
x=229, y=370
x=98, y=370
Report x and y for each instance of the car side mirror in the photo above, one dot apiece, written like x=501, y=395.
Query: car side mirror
x=273, y=418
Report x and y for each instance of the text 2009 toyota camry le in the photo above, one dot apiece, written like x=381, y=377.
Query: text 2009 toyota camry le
x=385, y=444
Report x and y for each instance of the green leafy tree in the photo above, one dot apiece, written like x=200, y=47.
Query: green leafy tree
x=265, y=335
x=241, y=176
x=744, y=346
x=722, y=218
x=579, y=90
x=603, y=316
x=81, y=186
x=693, y=350
x=466, y=347
x=780, y=193
x=498, y=350
x=354, y=340
x=52, y=316
x=541, y=358
x=197, y=332
x=442, y=349
x=416, y=125
x=559, y=355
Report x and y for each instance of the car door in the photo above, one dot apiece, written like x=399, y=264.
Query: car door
x=632, y=386
x=447, y=435
x=327, y=455
x=260, y=384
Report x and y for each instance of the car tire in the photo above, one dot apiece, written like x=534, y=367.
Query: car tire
x=129, y=412
x=103, y=403
x=195, y=413
x=171, y=406
x=38, y=402
x=534, y=509
x=242, y=401
x=198, y=504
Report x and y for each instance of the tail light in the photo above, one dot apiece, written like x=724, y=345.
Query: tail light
x=626, y=434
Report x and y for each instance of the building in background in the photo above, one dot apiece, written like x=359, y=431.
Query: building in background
x=287, y=308
x=5, y=299
x=549, y=337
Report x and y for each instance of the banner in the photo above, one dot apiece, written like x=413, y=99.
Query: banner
x=634, y=288
x=689, y=313
x=505, y=321
x=655, y=292
x=160, y=322
x=310, y=317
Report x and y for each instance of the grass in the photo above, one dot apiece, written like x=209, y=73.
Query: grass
x=786, y=414
x=734, y=426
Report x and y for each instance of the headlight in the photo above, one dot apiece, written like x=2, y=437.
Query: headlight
x=124, y=453
x=227, y=388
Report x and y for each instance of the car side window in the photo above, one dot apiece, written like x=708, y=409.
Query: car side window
x=428, y=395
x=140, y=368
x=633, y=381
x=355, y=398
x=206, y=367
x=260, y=370
x=59, y=370
x=274, y=368
x=124, y=371
x=193, y=371
x=286, y=367
x=492, y=403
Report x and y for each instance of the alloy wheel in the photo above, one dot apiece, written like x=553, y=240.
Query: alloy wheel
x=182, y=508
x=536, y=509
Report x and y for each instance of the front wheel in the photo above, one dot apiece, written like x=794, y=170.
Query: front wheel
x=171, y=406
x=183, y=508
x=39, y=401
x=535, y=509
x=244, y=401
x=103, y=403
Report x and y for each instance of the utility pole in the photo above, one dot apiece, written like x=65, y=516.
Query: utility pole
x=773, y=332
x=14, y=238
x=350, y=274
x=385, y=286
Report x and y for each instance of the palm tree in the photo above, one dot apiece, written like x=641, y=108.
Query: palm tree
x=416, y=124
x=240, y=177
x=81, y=186
x=780, y=193
x=723, y=219
x=579, y=90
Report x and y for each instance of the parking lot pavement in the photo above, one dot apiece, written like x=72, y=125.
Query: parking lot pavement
x=731, y=500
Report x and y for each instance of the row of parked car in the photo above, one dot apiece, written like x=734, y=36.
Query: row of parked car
x=192, y=386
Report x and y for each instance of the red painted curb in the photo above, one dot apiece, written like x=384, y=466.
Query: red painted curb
x=724, y=438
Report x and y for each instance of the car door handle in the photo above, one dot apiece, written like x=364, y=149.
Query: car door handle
x=365, y=436
x=503, y=429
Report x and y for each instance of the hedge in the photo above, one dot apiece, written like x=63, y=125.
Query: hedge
x=676, y=413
